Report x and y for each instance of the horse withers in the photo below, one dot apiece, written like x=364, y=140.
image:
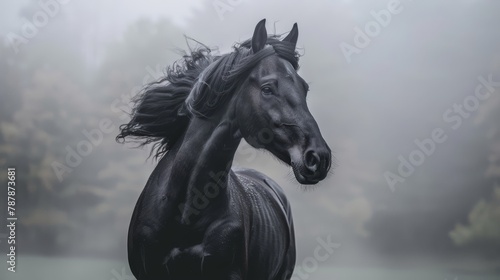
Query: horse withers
x=197, y=218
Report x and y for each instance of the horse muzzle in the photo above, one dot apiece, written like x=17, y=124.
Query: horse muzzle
x=311, y=165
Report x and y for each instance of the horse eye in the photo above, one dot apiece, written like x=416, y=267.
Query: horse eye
x=267, y=90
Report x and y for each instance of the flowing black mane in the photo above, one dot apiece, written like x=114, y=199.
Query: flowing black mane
x=198, y=84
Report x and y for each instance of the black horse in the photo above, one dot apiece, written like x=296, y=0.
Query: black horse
x=197, y=218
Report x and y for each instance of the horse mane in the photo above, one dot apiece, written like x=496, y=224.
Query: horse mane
x=198, y=84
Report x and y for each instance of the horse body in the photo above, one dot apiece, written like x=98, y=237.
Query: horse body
x=248, y=218
x=196, y=218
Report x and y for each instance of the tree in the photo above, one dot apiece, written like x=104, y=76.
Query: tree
x=482, y=230
x=483, y=224
x=76, y=185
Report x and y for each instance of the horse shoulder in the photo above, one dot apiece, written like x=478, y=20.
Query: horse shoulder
x=262, y=180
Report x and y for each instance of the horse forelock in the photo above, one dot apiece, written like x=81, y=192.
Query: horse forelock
x=223, y=76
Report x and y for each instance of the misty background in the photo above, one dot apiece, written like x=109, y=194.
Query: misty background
x=82, y=66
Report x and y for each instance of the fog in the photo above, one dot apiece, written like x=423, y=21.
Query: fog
x=406, y=93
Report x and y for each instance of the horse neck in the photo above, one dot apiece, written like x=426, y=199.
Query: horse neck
x=202, y=165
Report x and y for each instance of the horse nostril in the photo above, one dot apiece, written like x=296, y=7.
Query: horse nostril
x=312, y=160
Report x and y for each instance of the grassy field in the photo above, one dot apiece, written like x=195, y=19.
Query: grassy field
x=373, y=273
x=44, y=268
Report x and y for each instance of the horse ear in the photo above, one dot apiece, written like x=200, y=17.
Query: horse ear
x=259, y=37
x=293, y=35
